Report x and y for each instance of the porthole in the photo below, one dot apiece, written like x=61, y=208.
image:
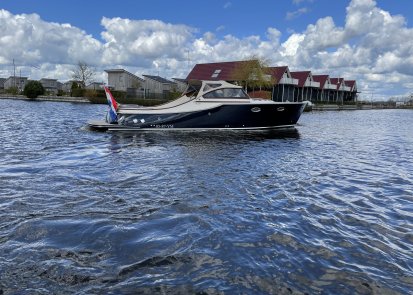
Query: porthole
x=256, y=109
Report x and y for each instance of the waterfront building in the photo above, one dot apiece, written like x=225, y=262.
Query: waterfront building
x=14, y=81
x=95, y=86
x=306, y=85
x=181, y=84
x=50, y=86
x=326, y=92
x=67, y=86
x=351, y=95
x=226, y=71
x=158, y=87
x=288, y=86
x=122, y=80
x=285, y=85
x=341, y=89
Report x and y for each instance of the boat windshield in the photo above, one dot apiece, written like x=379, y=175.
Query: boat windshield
x=227, y=93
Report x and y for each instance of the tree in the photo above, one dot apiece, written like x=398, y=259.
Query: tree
x=83, y=73
x=253, y=73
x=33, y=89
x=76, y=90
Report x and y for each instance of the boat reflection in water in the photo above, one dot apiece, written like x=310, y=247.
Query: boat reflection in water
x=205, y=105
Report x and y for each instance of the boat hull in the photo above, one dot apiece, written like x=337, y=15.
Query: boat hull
x=248, y=116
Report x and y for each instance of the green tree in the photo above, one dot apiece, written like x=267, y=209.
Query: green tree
x=13, y=90
x=253, y=73
x=33, y=89
x=77, y=90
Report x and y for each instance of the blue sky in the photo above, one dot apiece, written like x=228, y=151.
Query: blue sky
x=365, y=40
x=239, y=18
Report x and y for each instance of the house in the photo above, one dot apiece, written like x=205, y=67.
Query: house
x=14, y=81
x=285, y=85
x=158, y=86
x=122, y=80
x=327, y=91
x=67, y=86
x=351, y=95
x=341, y=89
x=288, y=86
x=181, y=84
x=233, y=72
x=306, y=85
x=95, y=86
x=50, y=85
x=226, y=71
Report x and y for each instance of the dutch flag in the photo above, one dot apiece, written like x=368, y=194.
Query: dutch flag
x=112, y=116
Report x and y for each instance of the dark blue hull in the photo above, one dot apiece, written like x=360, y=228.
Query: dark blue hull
x=248, y=116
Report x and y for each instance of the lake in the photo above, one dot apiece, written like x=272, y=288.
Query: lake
x=324, y=209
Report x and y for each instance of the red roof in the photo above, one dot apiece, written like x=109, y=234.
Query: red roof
x=214, y=71
x=322, y=79
x=277, y=72
x=351, y=84
x=301, y=76
x=337, y=81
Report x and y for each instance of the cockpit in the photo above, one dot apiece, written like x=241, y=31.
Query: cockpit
x=216, y=90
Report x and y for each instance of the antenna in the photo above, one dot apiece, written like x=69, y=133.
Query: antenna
x=14, y=74
x=188, y=58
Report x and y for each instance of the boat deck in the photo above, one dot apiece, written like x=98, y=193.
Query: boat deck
x=102, y=125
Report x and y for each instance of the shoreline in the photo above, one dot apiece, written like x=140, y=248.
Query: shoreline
x=314, y=107
x=48, y=98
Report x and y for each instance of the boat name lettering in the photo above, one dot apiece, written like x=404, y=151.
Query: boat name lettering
x=164, y=126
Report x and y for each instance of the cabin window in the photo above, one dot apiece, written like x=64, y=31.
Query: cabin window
x=215, y=74
x=227, y=93
x=210, y=86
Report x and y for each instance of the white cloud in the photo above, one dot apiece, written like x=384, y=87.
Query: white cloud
x=31, y=40
x=227, y=5
x=371, y=47
x=138, y=42
x=297, y=13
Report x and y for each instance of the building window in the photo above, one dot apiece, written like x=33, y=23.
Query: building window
x=215, y=74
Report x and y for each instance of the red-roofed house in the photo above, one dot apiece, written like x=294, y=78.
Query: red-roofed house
x=288, y=86
x=326, y=91
x=215, y=71
x=285, y=84
x=306, y=85
x=352, y=94
x=283, y=88
x=341, y=89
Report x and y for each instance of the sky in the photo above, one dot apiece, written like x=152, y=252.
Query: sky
x=364, y=40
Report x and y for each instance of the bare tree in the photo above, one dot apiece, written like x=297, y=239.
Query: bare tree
x=83, y=73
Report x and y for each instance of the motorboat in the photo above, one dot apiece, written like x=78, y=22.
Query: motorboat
x=205, y=105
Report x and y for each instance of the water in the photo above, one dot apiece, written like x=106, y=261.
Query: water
x=327, y=209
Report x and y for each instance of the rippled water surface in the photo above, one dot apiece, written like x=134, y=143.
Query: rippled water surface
x=327, y=209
